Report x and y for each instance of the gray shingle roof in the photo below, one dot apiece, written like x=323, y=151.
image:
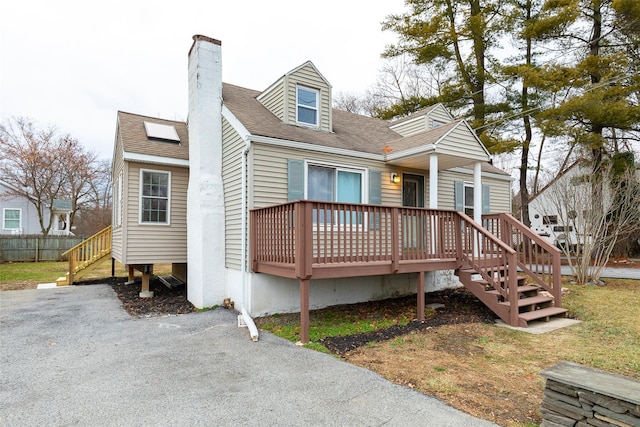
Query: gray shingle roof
x=135, y=140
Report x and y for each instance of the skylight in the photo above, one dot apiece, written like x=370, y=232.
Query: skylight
x=160, y=131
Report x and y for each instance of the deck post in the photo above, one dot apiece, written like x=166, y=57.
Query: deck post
x=146, y=276
x=130, y=275
x=421, y=296
x=304, y=311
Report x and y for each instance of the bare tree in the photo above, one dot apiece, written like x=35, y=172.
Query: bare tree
x=32, y=161
x=591, y=229
x=95, y=207
x=44, y=164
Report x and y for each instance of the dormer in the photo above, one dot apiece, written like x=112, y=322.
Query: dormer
x=302, y=97
x=421, y=120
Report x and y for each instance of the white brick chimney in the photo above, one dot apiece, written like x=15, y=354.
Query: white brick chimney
x=205, y=197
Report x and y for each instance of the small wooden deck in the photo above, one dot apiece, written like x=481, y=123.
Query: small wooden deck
x=307, y=240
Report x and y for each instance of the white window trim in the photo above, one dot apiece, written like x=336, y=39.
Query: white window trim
x=465, y=185
x=117, y=202
x=4, y=217
x=364, y=185
x=317, y=109
x=140, y=185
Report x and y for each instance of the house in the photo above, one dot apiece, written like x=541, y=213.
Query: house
x=20, y=216
x=258, y=183
x=560, y=211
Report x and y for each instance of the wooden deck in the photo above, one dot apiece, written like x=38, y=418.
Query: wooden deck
x=307, y=240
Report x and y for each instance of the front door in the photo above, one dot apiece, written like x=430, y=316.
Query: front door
x=412, y=226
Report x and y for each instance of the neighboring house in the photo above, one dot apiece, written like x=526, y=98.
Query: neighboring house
x=557, y=212
x=20, y=216
x=184, y=194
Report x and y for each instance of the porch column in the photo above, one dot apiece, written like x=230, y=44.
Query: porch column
x=68, y=223
x=433, y=181
x=477, y=192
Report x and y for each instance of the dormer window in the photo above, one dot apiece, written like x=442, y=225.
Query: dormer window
x=307, y=105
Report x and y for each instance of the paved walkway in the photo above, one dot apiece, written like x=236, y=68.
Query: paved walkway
x=611, y=273
x=73, y=356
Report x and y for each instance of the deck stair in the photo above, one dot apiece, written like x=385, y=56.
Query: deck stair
x=86, y=256
x=532, y=301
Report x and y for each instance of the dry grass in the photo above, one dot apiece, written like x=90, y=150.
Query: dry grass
x=493, y=372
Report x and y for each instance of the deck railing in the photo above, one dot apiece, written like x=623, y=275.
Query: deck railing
x=306, y=239
x=305, y=233
x=88, y=252
x=537, y=258
x=295, y=239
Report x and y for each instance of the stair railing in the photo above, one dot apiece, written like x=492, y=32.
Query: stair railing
x=537, y=258
x=88, y=251
x=493, y=259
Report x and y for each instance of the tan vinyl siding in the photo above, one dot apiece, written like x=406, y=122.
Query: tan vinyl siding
x=411, y=127
x=309, y=77
x=500, y=193
x=117, y=171
x=269, y=165
x=150, y=244
x=232, y=147
x=273, y=100
x=460, y=142
x=438, y=114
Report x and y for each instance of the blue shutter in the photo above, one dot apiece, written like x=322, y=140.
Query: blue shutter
x=486, y=204
x=458, y=195
x=375, y=191
x=295, y=180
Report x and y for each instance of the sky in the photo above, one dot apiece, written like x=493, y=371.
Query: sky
x=73, y=64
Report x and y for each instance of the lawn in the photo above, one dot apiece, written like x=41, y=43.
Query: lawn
x=487, y=371
x=27, y=275
x=493, y=372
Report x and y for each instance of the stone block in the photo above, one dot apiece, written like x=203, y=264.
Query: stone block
x=547, y=423
x=565, y=409
x=599, y=423
x=562, y=397
x=610, y=415
x=556, y=418
x=604, y=401
x=562, y=388
x=633, y=409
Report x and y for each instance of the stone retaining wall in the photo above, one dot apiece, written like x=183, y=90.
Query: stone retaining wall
x=580, y=396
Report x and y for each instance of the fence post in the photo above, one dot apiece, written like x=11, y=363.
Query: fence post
x=36, y=254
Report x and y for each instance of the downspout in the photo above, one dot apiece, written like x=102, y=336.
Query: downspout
x=244, y=317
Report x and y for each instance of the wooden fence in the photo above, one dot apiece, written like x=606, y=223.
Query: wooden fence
x=35, y=248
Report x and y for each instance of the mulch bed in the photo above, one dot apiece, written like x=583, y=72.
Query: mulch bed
x=165, y=301
x=460, y=307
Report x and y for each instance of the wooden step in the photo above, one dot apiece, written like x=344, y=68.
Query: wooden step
x=543, y=313
x=521, y=289
x=523, y=302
